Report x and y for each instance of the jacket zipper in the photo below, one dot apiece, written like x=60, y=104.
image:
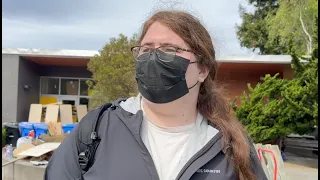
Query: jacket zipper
x=143, y=146
x=198, y=154
x=149, y=156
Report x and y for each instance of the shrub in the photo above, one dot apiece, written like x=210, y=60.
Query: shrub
x=277, y=107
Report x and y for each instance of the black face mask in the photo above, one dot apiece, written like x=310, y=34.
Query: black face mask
x=161, y=81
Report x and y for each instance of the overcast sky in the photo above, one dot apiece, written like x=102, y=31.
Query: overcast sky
x=88, y=25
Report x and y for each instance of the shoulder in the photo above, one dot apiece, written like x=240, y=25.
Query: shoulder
x=90, y=122
x=253, y=152
x=255, y=162
x=94, y=114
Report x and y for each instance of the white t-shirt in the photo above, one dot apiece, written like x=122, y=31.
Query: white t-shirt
x=171, y=148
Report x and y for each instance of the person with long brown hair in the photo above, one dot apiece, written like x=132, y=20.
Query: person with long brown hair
x=179, y=126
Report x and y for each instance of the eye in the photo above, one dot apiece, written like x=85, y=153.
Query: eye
x=145, y=50
x=168, y=49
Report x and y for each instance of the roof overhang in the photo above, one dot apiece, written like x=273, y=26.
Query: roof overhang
x=82, y=57
x=85, y=54
x=256, y=59
x=78, y=58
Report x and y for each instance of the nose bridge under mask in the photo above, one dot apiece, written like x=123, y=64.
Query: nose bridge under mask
x=154, y=55
x=152, y=67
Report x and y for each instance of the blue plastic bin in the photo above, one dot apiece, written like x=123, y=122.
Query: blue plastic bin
x=40, y=128
x=25, y=128
x=67, y=128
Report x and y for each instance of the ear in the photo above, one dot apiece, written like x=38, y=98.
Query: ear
x=203, y=73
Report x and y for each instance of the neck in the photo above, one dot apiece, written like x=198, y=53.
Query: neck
x=180, y=112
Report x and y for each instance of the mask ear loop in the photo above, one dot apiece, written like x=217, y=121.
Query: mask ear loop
x=193, y=85
x=140, y=102
x=197, y=81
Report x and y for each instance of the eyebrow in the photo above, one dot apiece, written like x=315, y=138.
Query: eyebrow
x=147, y=44
x=169, y=44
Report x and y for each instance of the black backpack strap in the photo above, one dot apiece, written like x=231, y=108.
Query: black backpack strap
x=89, y=139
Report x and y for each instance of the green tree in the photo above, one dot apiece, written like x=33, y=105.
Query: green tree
x=253, y=31
x=279, y=26
x=294, y=24
x=113, y=72
x=302, y=92
x=277, y=107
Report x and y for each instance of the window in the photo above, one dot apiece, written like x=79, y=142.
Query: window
x=71, y=102
x=74, y=91
x=83, y=101
x=83, y=88
x=49, y=85
x=69, y=86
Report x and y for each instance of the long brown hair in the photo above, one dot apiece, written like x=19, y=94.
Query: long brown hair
x=211, y=103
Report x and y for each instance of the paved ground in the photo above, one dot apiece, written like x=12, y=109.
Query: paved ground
x=298, y=172
x=311, y=162
x=301, y=168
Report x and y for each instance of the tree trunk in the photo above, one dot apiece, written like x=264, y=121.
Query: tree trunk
x=309, y=41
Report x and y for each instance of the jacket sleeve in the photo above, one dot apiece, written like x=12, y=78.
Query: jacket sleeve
x=256, y=165
x=63, y=164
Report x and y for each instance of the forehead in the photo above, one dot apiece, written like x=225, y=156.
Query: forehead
x=158, y=34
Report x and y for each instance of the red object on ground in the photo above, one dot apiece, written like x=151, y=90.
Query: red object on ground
x=31, y=134
x=274, y=159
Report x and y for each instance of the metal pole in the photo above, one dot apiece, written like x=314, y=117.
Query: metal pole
x=13, y=171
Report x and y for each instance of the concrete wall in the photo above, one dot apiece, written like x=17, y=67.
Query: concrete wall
x=65, y=71
x=28, y=75
x=10, y=68
x=22, y=170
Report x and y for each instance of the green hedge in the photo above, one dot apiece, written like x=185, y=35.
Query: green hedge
x=277, y=107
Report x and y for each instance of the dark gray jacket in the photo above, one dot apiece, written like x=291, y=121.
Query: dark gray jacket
x=122, y=155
